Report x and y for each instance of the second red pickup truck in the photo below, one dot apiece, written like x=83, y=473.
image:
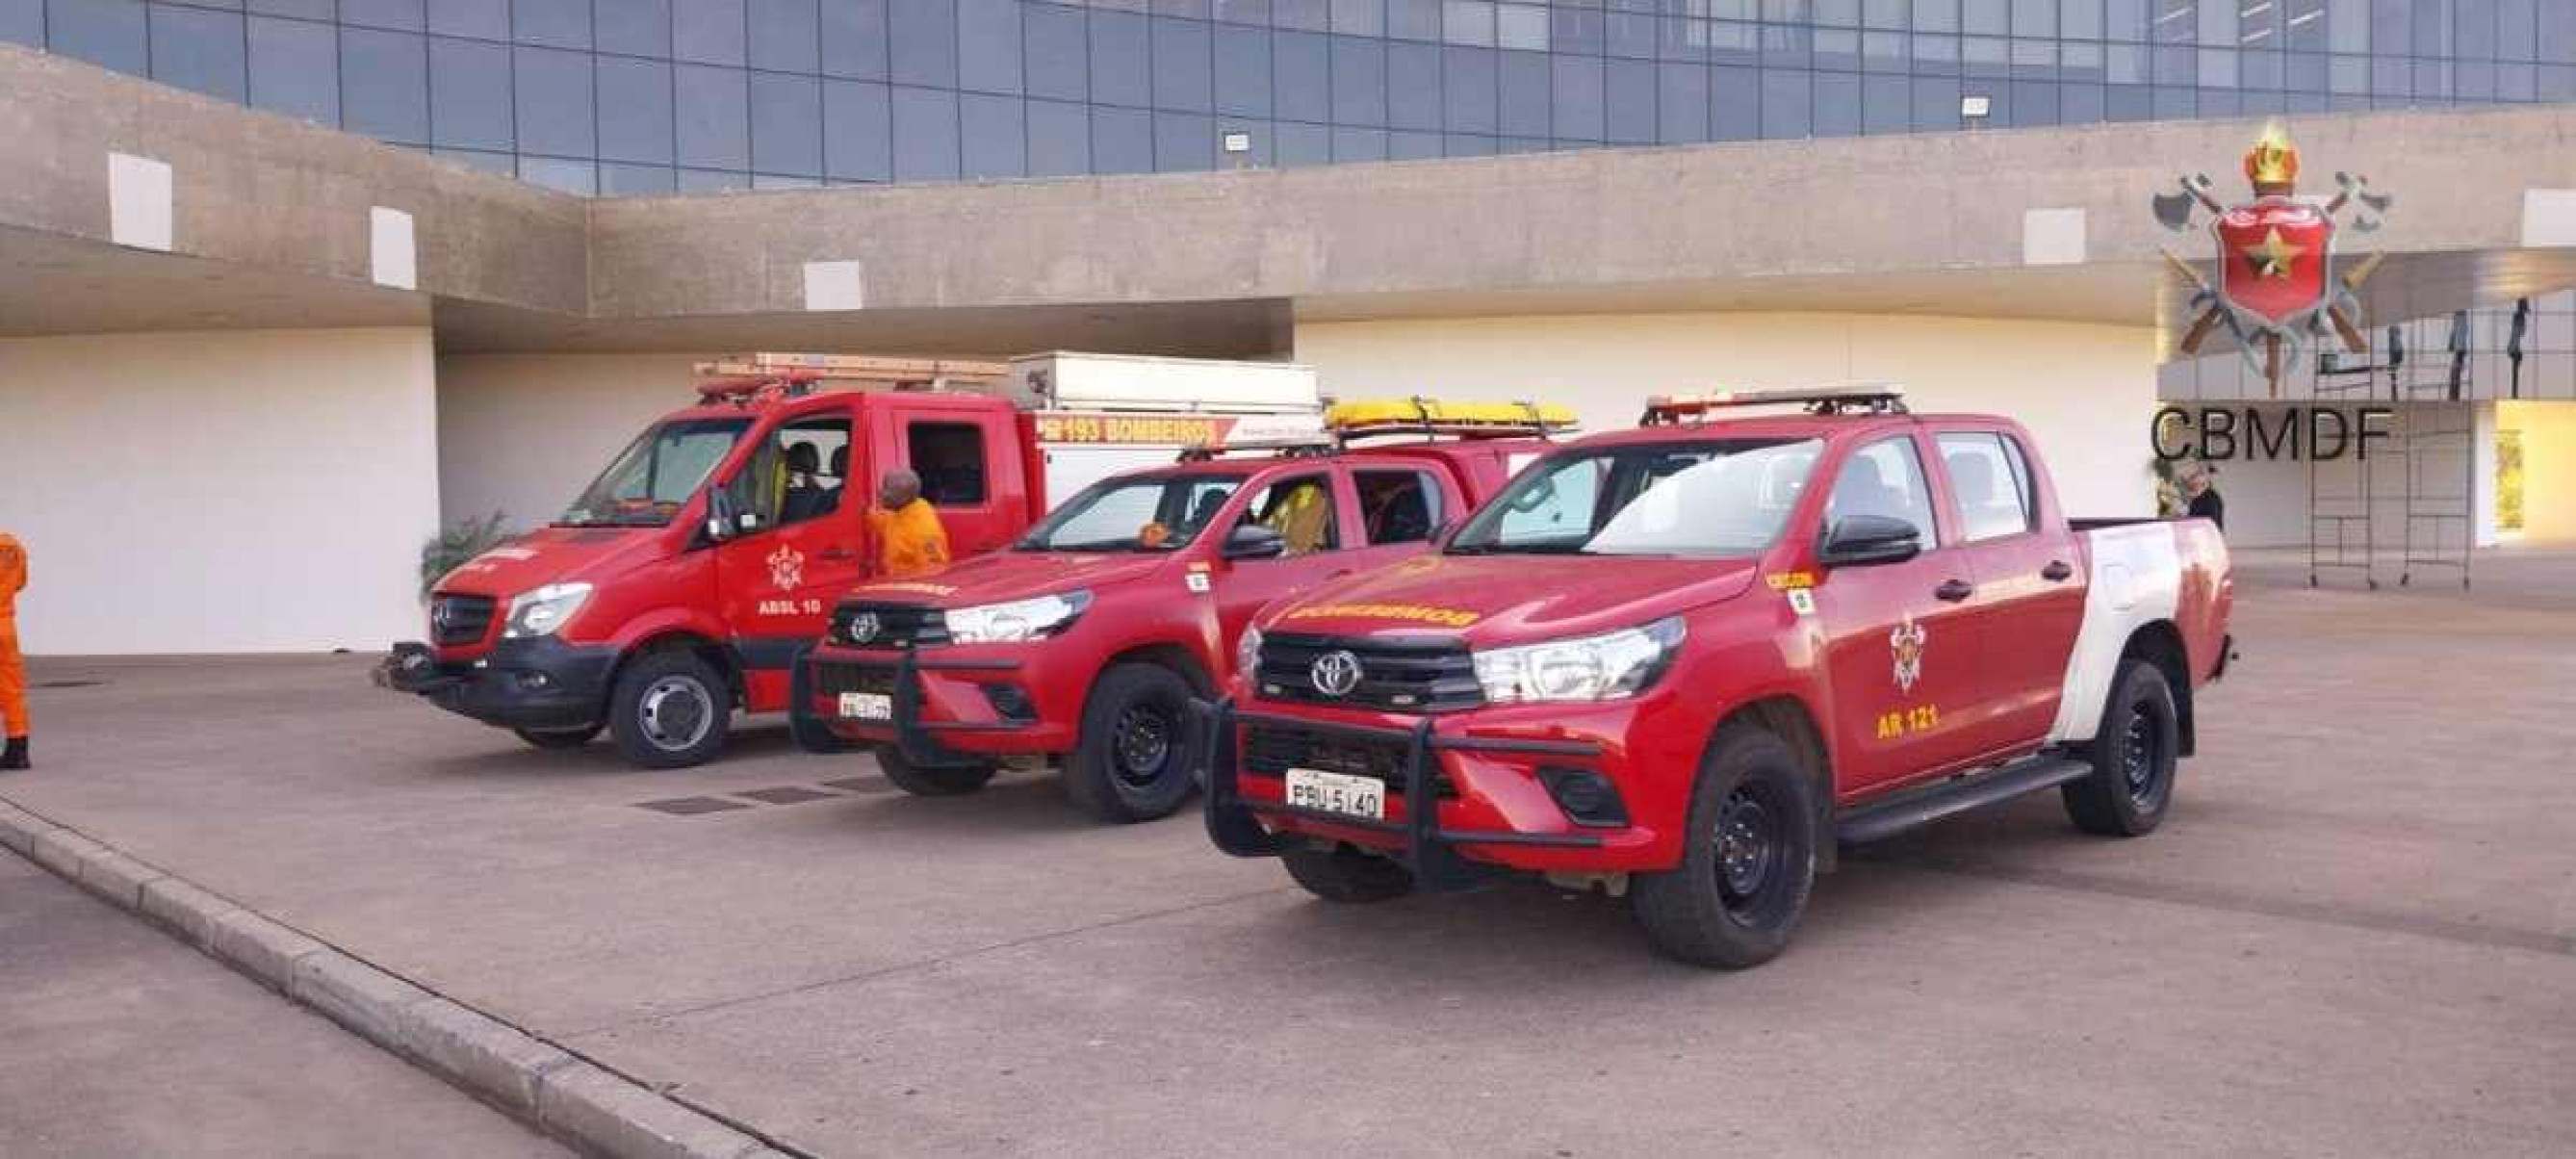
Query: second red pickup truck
x=1683, y=662
x=1089, y=638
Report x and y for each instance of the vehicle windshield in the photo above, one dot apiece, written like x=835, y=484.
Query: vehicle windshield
x=1726, y=497
x=648, y=482
x=1135, y=513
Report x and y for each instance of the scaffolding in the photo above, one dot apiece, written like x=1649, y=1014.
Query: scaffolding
x=2440, y=456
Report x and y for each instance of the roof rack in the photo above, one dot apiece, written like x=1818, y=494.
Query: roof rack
x=1847, y=398
x=1434, y=418
x=1284, y=447
x=744, y=379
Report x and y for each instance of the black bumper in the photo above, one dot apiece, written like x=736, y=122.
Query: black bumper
x=1425, y=848
x=539, y=683
x=912, y=739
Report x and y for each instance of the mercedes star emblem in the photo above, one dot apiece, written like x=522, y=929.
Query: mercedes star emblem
x=1335, y=673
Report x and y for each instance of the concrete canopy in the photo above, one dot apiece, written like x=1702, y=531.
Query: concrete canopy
x=271, y=228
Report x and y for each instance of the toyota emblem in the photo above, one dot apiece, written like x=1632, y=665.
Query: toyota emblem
x=1335, y=673
x=442, y=615
x=863, y=628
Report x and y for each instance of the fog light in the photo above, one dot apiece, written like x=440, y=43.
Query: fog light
x=1010, y=702
x=1587, y=797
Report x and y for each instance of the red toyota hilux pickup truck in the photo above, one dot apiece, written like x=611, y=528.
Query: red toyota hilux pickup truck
x=1089, y=638
x=1683, y=662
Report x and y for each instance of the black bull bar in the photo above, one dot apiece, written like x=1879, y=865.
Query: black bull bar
x=1425, y=848
x=911, y=733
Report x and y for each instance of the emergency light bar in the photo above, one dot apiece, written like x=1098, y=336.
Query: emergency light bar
x=1848, y=398
x=1367, y=418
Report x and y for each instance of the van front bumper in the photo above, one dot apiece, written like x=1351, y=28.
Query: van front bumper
x=539, y=683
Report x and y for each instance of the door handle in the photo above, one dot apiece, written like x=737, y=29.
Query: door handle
x=2057, y=571
x=838, y=553
x=1954, y=591
x=1339, y=574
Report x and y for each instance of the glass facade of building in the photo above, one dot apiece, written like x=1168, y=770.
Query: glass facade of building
x=643, y=96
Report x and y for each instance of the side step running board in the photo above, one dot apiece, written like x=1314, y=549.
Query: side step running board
x=1881, y=819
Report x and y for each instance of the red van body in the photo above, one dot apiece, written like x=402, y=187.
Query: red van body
x=660, y=624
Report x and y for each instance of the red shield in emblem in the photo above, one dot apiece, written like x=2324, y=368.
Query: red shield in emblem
x=2272, y=257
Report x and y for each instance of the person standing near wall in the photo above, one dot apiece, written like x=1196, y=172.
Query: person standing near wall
x=2201, y=483
x=910, y=539
x=13, y=665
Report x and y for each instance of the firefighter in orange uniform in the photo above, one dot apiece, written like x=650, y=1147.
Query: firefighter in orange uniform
x=910, y=540
x=13, y=666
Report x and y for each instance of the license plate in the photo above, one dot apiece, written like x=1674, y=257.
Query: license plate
x=867, y=706
x=1337, y=793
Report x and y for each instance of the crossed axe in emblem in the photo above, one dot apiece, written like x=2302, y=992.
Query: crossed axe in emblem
x=2175, y=211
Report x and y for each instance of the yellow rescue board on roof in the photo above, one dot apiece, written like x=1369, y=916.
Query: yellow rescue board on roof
x=1380, y=412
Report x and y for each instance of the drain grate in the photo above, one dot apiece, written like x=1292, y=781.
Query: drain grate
x=691, y=806
x=863, y=784
x=70, y=683
x=787, y=795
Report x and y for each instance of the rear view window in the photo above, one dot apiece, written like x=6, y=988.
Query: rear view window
x=1991, y=485
x=949, y=457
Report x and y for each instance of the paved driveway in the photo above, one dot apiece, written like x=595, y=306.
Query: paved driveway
x=2357, y=932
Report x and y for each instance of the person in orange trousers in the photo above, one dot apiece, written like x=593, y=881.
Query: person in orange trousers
x=910, y=539
x=13, y=666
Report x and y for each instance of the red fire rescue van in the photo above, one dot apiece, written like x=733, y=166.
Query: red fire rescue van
x=685, y=581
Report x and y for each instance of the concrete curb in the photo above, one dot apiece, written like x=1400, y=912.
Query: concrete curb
x=561, y=1093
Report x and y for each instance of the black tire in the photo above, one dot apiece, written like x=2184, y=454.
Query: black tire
x=670, y=710
x=933, y=780
x=2133, y=754
x=1748, y=858
x=558, y=738
x=1133, y=761
x=1346, y=875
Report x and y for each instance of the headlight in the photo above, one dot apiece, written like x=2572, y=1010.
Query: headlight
x=1247, y=653
x=1604, y=667
x=540, y=612
x=1017, y=620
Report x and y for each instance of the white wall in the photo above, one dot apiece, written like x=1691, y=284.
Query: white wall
x=522, y=434
x=247, y=491
x=2085, y=391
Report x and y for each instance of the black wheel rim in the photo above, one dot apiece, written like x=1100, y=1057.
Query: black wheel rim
x=1141, y=744
x=2142, y=757
x=676, y=712
x=1750, y=850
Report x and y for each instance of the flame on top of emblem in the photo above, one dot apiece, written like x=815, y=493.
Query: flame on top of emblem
x=2273, y=163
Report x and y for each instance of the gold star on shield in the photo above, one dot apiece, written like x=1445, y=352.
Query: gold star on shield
x=2273, y=258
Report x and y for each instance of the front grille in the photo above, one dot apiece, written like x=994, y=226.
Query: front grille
x=1270, y=750
x=834, y=679
x=897, y=626
x=1401, y=675
x=456, y=620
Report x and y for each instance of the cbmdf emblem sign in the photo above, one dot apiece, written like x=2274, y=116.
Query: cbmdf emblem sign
x=2277, y=284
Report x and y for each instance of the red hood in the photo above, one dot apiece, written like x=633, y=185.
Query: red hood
x=1512, y=599
x=550, y=555
x=1012, y=575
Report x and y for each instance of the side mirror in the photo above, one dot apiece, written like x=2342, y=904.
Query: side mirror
x=1254, y=541
x=720, y=514
x=1858, y=540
